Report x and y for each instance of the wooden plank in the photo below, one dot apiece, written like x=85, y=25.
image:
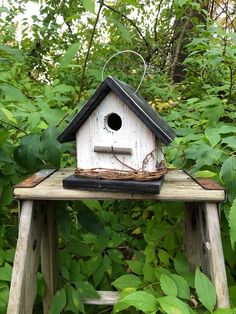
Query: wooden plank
x=192, y=237
x=49, y=254
x=203, y=246
x=106, y=298
x=23, y=282
x=216, y=256
x=177, y=186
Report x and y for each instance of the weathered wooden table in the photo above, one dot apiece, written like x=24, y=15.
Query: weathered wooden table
x=38, y=232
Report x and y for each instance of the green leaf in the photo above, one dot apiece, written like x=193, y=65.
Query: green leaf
x=141, y=300
x=90, y=221
x=89, y=5
x=86, y=290
x=122, y=29
x=90, y=266
x=16, y=53
x=136, y=267
x=228, y=176
x=4, y=292
x=70, y=53
x=50, y=147
x=205, y=290
x=172, y=305
x=182, y=287
x=225, y=311
x=5, y=272
x=12, y=93
x=58, y=302
x=74, y=301
x=226, y=129
x=127, y=281
x=212, y=136
x=168, y=285
x=27, y=153
x=92, y=204
x=232, y=223
x=8, y=115
x=230, y=141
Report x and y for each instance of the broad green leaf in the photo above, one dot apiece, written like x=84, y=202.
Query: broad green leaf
x=181, y=264
x=225, y=311
x=164, y=257
x=70, y=53
x=90, y=266
x=4, y=292
x=8, y=115
x=90, y=221
x=74, y=271
x=4, y=135
x=136, y=267
x=182, y=287
x=16, y=53
x=230, y=141
x=122, y=29
x=12, y=93
x=74, y=302
x=86, y=290
x=168, y=285
x=50, y=147
x=92, y=204
x=205, y=290
x=127, y=281
x=226, y=129
x=205, y=174
x=141, y=300
x=181, y=2
x=212, y=136
x=228, y=176
x=232, y=223
x=27, y=153
x=58, y=302
x=5, y=272
x=172, y=305
x=116, y=256
x=89, y=5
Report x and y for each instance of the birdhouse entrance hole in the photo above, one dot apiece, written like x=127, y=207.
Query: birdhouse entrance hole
x=114, y=121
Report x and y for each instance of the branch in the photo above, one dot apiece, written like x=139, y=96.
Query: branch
x=156, y=20
x=88, y=51
x=179, y=45
x=134, y=25
x=14, y=126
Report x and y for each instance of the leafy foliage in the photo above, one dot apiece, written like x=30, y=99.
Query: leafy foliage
x=134, y=247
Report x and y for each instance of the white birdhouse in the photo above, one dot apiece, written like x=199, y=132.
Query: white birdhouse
x=117, y=130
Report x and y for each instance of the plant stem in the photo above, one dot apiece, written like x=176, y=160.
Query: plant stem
x=14, y=126
x=88, y=51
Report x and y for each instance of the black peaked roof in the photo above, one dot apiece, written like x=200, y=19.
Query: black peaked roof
x=133, y=100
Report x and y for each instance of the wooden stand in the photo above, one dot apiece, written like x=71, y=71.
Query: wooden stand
x=38, y=232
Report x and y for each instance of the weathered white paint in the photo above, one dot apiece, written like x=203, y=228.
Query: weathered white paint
x=132, y=134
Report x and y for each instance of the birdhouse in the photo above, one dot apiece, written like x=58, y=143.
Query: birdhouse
x=118, y=141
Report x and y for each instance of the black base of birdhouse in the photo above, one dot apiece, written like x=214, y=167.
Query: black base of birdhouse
x=129, y=186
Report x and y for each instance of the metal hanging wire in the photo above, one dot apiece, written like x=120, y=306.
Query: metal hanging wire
x=128, y=51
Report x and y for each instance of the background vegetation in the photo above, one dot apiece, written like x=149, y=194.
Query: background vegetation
x=50, y=63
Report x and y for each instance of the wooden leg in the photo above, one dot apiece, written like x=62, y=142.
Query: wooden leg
x=203, y=246
x=23, y=282
x=49, y=255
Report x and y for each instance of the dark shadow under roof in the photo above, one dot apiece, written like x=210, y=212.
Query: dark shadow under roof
x=133, y=100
